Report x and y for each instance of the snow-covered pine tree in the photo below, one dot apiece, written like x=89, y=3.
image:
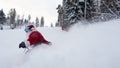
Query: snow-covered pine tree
x=37, y=22
x=29, y=18
x=12, y=15
x=117, y=4
x=2, y=17
x=60, y=15
x=72, y=12
x=42, y=22
x=108, y=9
x=90, y=8
x=18, y=20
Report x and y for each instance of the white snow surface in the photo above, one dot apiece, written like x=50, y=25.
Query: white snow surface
x=83, y=46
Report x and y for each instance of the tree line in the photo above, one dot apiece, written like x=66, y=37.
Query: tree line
x=73, y=11
x=14, y=20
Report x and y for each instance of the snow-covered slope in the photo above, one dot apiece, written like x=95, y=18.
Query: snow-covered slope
x=88, y=46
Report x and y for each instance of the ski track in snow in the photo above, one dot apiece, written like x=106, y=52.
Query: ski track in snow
x=84, y=46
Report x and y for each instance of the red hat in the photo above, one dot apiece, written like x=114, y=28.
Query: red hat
x=31, y=26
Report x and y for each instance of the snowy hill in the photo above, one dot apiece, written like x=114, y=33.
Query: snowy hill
x=90, y=46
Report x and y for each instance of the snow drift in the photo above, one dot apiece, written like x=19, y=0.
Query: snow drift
x=84, y=46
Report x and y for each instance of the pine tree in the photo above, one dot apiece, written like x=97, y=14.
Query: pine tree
x=108, y=9
x=2, y=17
x=42, y=22
x=22, y=20
x=29, y=18
x=12, y=15
x=37, y=22
x=57, y=24
x=72, y=12
x=25, y=21
x=89, y=10
x=51, y=24
x=60, y=15
x=117, y=3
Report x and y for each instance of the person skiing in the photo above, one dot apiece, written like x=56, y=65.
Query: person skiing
x=34, y=38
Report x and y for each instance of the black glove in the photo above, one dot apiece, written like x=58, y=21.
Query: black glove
x=22, y=45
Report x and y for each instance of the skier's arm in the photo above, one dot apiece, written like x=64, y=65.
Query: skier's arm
x=43, y=40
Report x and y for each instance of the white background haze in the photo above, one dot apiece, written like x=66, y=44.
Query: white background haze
x=36, y=8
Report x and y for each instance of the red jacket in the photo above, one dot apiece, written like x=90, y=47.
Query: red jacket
x=36, y=37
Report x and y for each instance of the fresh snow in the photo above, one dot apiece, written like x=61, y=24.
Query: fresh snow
x=83, y=46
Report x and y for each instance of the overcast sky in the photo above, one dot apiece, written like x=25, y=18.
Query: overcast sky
x=36, y=8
